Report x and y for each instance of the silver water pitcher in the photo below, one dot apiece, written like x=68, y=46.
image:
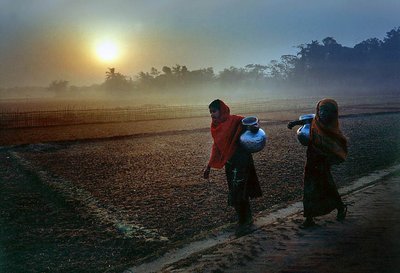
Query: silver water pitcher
x=254, y=138
x=303, y=133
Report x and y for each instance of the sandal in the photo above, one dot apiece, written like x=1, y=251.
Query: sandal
x=244, y=229
x=342, y=213
x=309, y=222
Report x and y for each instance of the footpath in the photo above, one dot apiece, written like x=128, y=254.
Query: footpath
x=368, y=240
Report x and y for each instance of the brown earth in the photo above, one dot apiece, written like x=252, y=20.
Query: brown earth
x=104, y=205
x=18, y=136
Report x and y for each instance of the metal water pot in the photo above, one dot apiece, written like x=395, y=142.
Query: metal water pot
x=303, y=133
x=254, y=138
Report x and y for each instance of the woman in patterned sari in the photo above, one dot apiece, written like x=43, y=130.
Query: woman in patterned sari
x=239, y=166
x=327, y=147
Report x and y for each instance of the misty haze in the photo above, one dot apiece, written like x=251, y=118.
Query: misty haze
x=106, y=134
x=318, y=69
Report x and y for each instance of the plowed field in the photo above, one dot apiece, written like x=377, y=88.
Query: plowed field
x=105, y=205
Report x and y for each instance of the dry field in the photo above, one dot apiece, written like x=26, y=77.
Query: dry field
x=106, y=204
x=196, y=118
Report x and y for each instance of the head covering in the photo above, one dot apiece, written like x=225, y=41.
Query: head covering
x=225, y=132
x=327, y=137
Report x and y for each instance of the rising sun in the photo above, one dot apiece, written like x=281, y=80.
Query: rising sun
x=107, y=51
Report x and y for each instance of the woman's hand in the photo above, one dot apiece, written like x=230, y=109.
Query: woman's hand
x=206, y=173
x=291, y=125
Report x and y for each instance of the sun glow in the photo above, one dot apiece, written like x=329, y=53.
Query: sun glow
x=107, y=51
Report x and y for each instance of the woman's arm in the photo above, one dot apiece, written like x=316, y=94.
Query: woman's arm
x=206, y=172
x=291, y=124
x=214, y=153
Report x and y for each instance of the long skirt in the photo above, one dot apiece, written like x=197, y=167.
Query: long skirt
x=242, y=178
x=320, y=192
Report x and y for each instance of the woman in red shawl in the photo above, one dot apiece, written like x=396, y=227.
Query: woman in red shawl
x=327, y=146
x=239, y=166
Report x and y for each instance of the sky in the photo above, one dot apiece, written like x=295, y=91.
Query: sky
x=46, y=40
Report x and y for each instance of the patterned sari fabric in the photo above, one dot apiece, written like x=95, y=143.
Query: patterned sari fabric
x=328, y=146
x=243, y=184
x=320, y=192
x=242, y=178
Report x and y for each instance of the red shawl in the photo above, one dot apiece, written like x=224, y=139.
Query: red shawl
x=327, y=137
x=225, y=132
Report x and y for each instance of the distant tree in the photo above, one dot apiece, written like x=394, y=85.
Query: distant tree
x=256, y=71
x=311, y=56
x=179, y=70
x=178, y=76
x=368, y=46
x=275, y=70
x=110, y=74
x=317, y=66
x=392, y=40
x=232, y=75
x=205, y=75
x=331, y=50
x=181, y=75
x=289, y=63
x=390, y=59
x=330, y=42
x=145, y=79
x=283, y=70
x=154, y=72
x=59, y=87
x=167, y=70
x=116, y=82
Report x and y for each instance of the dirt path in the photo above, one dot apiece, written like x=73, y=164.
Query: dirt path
x=367, y=241
x=214, y=254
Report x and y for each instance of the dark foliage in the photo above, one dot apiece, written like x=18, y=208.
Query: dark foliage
x=372, y=66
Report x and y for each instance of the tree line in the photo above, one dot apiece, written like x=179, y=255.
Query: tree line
x=370, y=66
